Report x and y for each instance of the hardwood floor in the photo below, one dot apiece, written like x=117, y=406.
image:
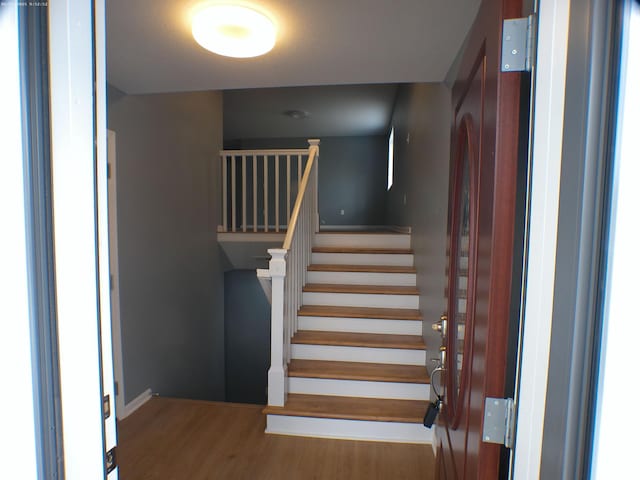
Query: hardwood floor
x=174, y=439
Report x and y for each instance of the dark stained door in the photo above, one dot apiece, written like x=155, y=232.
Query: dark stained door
x=481, y=230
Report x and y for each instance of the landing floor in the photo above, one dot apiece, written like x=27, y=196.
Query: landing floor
x=172, y=439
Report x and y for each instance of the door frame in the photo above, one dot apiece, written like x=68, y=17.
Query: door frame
x=547, y=144
x=546, y=153
x=116, y=328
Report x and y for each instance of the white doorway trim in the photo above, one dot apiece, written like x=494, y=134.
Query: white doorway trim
x=550, y=77
x=116, y=331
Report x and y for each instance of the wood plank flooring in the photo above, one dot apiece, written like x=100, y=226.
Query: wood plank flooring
x=172, y=439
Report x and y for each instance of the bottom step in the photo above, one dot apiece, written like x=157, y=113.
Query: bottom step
x=350, y=418
x=349, y=429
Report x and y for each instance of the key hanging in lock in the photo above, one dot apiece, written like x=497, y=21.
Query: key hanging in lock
x=432, y=412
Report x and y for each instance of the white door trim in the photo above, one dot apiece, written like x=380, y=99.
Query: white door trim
x=75, y=157
x=551, y=66
x=116, y=331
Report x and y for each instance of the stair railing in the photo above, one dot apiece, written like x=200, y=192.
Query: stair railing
x=258, y=187
x=287, y=269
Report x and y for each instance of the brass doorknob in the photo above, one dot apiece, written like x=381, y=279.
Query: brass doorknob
x=440, y=326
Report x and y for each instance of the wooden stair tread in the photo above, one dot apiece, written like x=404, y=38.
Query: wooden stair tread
x=360, y=312
x=349, y=339
x=360, y=268
x=369, y=231
x=373, y=372
x=366, y=289
x=351, y=408
x=404, y=251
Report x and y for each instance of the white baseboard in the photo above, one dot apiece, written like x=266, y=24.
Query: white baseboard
x=134, y=404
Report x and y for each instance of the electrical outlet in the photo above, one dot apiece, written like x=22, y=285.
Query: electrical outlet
x=342, y=211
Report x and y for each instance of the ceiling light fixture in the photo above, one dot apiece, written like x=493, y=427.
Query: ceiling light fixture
x=296, y=114
x=233, y=31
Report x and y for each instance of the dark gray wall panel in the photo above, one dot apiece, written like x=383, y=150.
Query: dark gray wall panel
x=247, y=316
x=171, y=280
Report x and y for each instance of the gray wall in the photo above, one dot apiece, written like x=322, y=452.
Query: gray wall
x=247, y=333
x=353, y=176
x=171, y=280
x=422, y=115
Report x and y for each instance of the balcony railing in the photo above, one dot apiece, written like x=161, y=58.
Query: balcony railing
x=259, y=188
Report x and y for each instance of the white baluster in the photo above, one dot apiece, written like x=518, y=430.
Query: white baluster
x=244, y=193
x=224, y=192
x=255, y=193
x=233, y=193
x=266, y=193
x=277, y=196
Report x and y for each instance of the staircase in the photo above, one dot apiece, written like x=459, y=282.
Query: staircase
x=357, y=366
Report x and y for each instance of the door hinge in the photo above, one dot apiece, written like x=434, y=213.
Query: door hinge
x=499, y=421
x=111, y=282
x=106, y=406
x=116, y=388
x=110, y=460
x=518, y=38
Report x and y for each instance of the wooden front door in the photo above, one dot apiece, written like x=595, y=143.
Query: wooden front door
x=481, y=230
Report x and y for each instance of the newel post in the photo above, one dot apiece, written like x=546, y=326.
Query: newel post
x=277, y=393
x=315, y=142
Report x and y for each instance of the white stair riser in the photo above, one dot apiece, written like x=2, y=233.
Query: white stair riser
x=396, y=356
x=398, y=240
x=362, y=278
x=360, y=325
x=361, y=300
x=349, y=429
x=359, y=388
x=399, y=259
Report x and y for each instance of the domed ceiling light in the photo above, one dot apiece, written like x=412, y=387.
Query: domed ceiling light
x=233, y=30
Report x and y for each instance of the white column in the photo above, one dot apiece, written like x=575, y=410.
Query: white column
x=278, y=371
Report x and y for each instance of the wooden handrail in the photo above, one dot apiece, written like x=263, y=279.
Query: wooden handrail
x=313, y=154
x=268, y=151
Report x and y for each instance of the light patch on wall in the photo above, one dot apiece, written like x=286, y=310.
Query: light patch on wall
x=390, y=164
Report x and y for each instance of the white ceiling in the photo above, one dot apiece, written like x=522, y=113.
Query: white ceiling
x=320, y=42
x=356, y=50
